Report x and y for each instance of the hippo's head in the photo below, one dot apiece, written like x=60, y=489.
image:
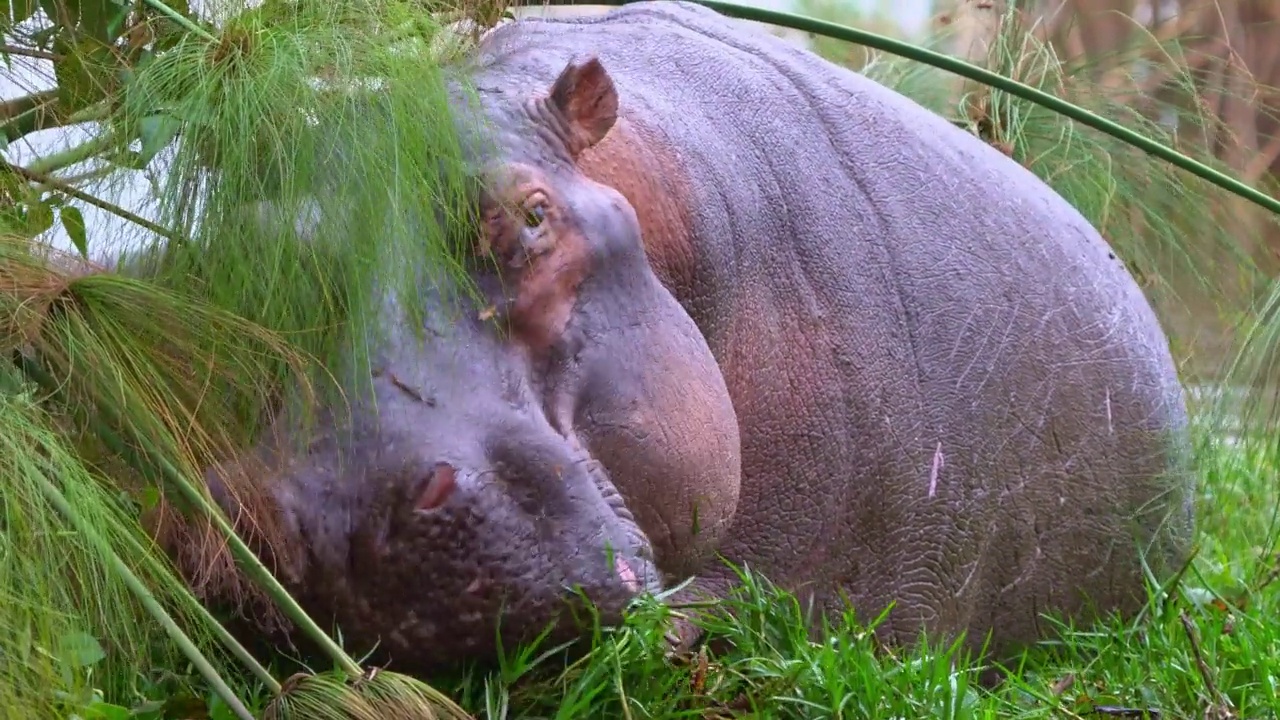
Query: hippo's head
x=569, y=432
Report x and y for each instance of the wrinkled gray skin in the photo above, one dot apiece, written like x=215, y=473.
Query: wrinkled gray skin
x=878, y=356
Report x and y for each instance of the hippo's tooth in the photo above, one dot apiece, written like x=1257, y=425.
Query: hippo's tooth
x=626, y=574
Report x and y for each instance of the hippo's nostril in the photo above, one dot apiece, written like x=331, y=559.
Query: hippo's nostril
x=438, y=487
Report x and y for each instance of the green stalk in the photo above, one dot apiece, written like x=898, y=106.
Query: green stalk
x=228, y=640
x=986, y=77
x=180, y=19
x=174, y=477
x=68, y=189
x=74, y=155
x=241, y=653
x=153, y=606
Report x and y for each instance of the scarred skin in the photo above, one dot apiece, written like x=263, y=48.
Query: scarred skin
x=876, y=355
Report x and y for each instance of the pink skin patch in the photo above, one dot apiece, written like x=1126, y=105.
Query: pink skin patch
x=626, y=574
x=439, y=487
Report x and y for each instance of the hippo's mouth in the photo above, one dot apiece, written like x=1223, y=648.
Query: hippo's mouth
x=639, y=574
x=606, y=570
x=515, y=552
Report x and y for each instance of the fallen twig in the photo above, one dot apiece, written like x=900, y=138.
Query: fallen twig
x=1221, y=706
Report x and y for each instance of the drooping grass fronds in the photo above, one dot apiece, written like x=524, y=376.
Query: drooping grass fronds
x=320, y=164
x=333, y=116
x=188, y=377
x=116, y=369
x=146, y=455
x=68, y=619
x=145, y=597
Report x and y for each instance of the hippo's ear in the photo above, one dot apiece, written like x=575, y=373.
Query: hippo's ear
x=585, y=97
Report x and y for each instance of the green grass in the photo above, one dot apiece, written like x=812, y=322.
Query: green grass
x=1210, y=644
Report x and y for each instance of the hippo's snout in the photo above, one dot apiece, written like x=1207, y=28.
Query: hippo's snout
x=535, y=502
x=440, y=536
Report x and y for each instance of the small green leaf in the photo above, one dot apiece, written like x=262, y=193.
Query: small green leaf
x=73, y=222
x=156, y=132
x=106, y=711
x=82, y=649
x=39, y=218
x=218, y=709
x=149, y=498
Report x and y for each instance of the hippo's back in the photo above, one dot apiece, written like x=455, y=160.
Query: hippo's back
x=951, y=392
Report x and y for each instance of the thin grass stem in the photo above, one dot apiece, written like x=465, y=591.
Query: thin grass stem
x=174, y=477
x=65, y=187
x=224, y=636
x=153, y=606
x=181, y=19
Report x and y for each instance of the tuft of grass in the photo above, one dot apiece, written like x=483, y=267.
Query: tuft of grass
x=178, y=372
x=316, y=167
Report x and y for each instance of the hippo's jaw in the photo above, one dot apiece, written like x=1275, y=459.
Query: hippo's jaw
x=634, y=563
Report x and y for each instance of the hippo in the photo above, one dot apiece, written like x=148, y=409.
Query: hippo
x=737, y=306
